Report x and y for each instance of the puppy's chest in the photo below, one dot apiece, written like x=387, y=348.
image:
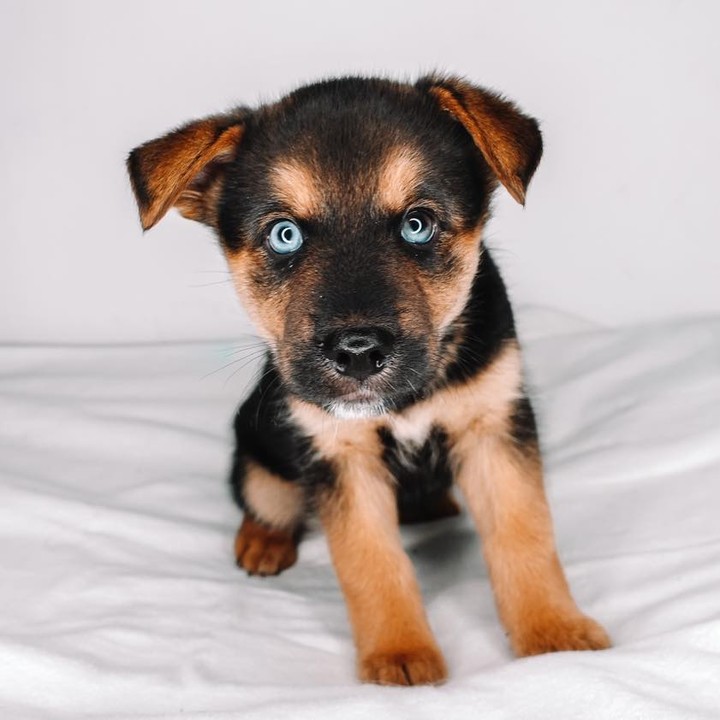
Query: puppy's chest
x=418, y=458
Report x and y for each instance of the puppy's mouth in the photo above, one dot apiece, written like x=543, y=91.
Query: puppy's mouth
x=357, y=391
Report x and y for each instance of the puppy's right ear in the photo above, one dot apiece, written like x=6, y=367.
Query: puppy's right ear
x=184, y=168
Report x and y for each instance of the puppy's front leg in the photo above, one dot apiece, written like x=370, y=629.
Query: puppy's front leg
x=504, y=489
x=394, y=643
x=266, y=543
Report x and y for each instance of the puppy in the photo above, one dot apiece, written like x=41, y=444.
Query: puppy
x=351, y=214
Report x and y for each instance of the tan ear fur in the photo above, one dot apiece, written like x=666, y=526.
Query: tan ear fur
x=182, y=168
x=510, y=141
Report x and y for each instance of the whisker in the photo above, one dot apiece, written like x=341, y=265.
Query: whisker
x=247, y=362
x=247, y=350
x=232, y=362
x=209, y=284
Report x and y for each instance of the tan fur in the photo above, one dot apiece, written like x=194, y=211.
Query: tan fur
x=495, y=127
x=201, y=205
x=277, y=502
x=467, y=250
x=295, y=185
x=504, y=492
x=261, y=550
x=335, y=438
x=278, y=310
x=482, y=403
x=503, y=488
x=392, y=635
x=394, y=642
x=170, y=164
x=448, y=297
x=398, y=178
x=501, y=480
x=266, y=310
x=429, y=304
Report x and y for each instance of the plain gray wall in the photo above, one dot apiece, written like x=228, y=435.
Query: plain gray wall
x=621, y=224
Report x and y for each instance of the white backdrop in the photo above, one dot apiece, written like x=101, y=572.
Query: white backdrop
x=622, y=218
x=119, y=597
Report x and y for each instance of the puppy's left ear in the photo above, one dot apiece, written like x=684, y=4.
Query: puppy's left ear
x=509, y=140
x=184, y=168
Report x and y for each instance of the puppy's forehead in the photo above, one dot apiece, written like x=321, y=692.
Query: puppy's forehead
x=387, y=183
x=354, y=149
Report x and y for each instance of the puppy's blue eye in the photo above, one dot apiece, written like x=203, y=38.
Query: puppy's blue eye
x=285, y=237
x=418, y=227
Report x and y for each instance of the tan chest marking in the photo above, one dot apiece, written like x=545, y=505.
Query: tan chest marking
x=335, y=437
x=484, y=403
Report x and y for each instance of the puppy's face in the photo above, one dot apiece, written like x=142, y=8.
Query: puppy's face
x=351, y=219
x=350, y=214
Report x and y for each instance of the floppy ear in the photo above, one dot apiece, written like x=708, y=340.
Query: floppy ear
x=184, y=168
x=509, y=141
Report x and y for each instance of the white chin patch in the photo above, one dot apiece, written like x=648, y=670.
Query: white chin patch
x=356, y=410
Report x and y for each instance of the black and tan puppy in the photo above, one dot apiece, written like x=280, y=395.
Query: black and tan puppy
x=351, y=213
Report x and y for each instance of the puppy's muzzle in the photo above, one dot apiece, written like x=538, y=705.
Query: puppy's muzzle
x=358, y=352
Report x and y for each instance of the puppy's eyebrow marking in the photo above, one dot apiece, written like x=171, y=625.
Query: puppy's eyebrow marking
x=399, y=177
x=295, y=185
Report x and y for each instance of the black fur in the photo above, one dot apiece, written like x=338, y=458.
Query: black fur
x=487, y=321
x=524, y=427
x=344, y=129
x=422, y=473
x=346, y=126
x=265, y=432
x=265, y=435
x=351, y=213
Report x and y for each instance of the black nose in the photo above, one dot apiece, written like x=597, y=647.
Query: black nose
x=358, y=352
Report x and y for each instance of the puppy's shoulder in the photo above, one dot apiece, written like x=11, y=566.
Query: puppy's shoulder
x=482, y=384
x=265, y=430
x=483, y=329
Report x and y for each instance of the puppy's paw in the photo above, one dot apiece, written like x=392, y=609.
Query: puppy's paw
x=556, y=633
x=263, y=551
x=423, y=666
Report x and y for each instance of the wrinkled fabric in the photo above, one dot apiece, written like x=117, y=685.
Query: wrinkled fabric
x=119, y=595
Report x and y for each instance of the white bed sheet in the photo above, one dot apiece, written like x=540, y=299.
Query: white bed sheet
x=120, y=599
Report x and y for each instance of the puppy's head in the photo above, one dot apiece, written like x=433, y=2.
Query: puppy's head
x=350, y=213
